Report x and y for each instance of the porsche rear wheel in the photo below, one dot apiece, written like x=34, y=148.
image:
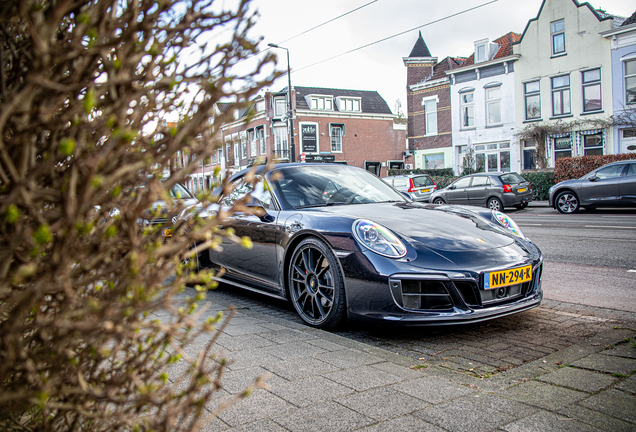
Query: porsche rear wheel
x=316, y=285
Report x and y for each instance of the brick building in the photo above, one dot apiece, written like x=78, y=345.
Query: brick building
x=355, y=127
x=429, y=107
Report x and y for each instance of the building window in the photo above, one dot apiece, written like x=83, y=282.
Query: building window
x=562, y=147
x=561, y=95
x=237, y=154
x=253, y=145
x=493, y=106
x=492, y=157
x=532, y=94
x=467, y=109
x=557, y=31
x=260, y=135
x=591, y=90
x=430, y=112
x=480, y=53
x=434, y=161
x=220, y=154
x=281, y=149
x=630, y=82
x=336, y=138
x=593, y=144
x=244, y=146
x=280, y=107
x=321, y=103
x=529, y=153
x=345, y=104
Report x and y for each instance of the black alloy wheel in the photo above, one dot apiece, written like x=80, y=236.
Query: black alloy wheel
x=438, y=201
x=495, y=204
x=316, y=285
x=567, y=202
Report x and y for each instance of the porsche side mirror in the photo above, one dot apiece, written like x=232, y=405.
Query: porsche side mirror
x=258, y=209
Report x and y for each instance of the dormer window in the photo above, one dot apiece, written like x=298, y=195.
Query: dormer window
x=321, y=102
x=349, y=104
x=481, y=50
x=280, y=105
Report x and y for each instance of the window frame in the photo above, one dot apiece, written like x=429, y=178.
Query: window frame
x=531, y=94
x=570, y=150
x=625, y=77
x=336, y=138
x=493, y=102
x=560, y=92
x=593, y=148
x=554, y=34
x=430, y=118
x=276, y=106
x=465, y=106
x=260, y=136
x=593, y=83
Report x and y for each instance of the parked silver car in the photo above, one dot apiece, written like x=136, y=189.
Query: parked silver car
x=494, y=190
x=418, y=187
x=611, y=185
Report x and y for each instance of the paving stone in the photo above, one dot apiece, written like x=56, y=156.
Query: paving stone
x=259, y=405
x=547, y=422
x=212, y=424
x=348, y=358
x=432, y=390
x=293, y=350
x=615, y=403
x=311, y=390
x=288, y=335
x=363, y=378
x=259, y=426
x=329, y=416
x=237, y=381
x=405, y=423
x=300, y=368
x=236, y=330
x=607, y=363
x=250, y=358
x=382, y=403
x=626, y=350
x=578, y=379
x=628, y=384
x=464, y=414
x=326, y=345
x=597, y=419
x=248, y=341
x=498, y=403
x=543, y=395
x=397, y=370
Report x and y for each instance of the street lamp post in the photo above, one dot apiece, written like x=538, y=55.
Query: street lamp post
x=292, y=153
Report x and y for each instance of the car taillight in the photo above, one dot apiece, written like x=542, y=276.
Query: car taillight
x=434, y=184
x=507, y=188
x=412, y=188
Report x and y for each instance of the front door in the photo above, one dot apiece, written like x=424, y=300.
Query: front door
x=478, y=191
x=602, y=188
x=457, y=193
x=627, y=186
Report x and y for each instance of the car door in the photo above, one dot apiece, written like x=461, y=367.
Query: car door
x=627, y=186
x=457, y=193
x=478, y=191
x=259, y=262
x=601, y=188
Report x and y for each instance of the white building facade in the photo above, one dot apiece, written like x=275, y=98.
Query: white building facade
x=564, y=76
x=483, y=103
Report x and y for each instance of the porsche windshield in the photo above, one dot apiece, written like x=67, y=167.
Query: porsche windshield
x=323, y=185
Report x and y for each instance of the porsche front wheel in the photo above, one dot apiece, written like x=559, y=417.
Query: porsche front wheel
x=316, y=285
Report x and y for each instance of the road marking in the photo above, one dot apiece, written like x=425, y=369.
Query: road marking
x=631, y=271
x=604, y=226
x=527, y=224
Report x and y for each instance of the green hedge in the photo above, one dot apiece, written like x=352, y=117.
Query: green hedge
x=577, y=167
x=444, y=181
x=541, y=182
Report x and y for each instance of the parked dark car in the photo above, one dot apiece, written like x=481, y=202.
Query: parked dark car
x=494, y=190
x=161, y=216
x=339, y=243
x=612, y=185
x=418, y=187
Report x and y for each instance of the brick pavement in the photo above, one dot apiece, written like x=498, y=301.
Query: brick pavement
x=324, y=381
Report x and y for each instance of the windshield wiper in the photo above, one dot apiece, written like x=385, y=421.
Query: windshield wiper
x=319, y=205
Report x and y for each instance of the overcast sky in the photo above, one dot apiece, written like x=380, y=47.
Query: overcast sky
x=380, y=67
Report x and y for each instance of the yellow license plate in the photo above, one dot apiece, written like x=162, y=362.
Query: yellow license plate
x=167, y=233
x=522, y=189
x=425, y=190
x=507, y=277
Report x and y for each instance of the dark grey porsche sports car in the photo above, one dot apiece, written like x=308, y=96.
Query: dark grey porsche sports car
x=340, y=243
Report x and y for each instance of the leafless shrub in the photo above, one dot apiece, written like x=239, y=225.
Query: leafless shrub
x=85, y=89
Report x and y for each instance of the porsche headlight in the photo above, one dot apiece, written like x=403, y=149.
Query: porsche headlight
x=507, y=222
x=378, y=239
